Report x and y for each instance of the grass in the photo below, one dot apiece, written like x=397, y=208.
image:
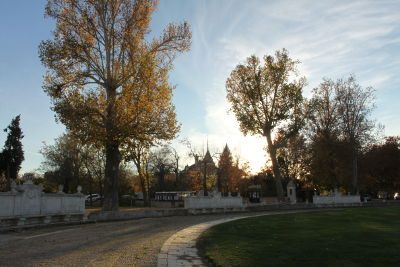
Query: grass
x=349, y=237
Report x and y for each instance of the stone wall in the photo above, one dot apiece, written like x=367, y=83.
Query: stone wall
x=98, y=216
x=213, y=202
x=336, y=198
x=28, y=202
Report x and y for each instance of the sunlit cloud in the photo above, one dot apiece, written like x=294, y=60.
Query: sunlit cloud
x=332, y=39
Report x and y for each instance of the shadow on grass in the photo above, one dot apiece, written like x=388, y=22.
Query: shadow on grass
x=350, y=237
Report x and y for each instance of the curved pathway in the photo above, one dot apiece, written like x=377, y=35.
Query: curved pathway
x=180, y=249
x=124, y=243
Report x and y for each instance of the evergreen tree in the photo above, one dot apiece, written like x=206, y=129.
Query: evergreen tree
x=225, y=165
x=13, y=154
x=3, y=182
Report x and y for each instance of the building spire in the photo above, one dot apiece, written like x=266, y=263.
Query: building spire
x=207, y=156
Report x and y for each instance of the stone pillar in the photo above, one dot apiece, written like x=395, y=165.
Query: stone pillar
x=291, y=192
x=336, y=192
x=13, y=186
x=60, y=189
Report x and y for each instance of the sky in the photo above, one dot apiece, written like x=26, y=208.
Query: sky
x=332, y=39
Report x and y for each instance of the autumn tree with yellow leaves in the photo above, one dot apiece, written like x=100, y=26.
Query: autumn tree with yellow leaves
x=267, y=99
x=108, y=83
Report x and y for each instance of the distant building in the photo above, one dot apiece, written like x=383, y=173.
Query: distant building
x=193, y=174
x=200, y=164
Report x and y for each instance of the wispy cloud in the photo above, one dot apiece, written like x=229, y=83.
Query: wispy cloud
x=331, y=38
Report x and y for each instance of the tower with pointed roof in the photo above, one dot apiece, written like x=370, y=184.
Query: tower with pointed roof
x=207, y=157
x=202, y=167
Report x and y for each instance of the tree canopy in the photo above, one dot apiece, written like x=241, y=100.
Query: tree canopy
x=339, y=126
x=355, y=105
x=107, y=81
x=381, y=166
x=266, y=100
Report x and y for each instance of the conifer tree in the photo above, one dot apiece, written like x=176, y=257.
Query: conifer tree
x=225, y=165
x=13, y=154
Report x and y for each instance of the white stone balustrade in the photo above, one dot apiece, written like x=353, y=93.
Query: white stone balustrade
x=336, y=198
x=29, y=200
x=214, y=201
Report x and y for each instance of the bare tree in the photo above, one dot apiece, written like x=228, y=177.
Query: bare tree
x=138, y=152
x=324, y=133
x=354, y=106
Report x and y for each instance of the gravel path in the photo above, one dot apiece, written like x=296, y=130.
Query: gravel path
x=124, y=243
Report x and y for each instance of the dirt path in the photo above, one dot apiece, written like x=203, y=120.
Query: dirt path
x=125, y=243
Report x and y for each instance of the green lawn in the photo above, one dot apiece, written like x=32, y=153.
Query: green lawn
x=349, y=237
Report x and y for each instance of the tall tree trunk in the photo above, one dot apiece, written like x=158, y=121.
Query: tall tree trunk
x=354, y=180
x=101, y=187
x=113, y=156
x=137, y=160
x=219, y=183
x=66, y=184
x=148, y=188
x=90, y=186
x=76, y=175
x=205, y=179
x=275, y=166
x=8, y=177
x=111, y=181
x=177, y=182
x=144, y=190
x=331, y=164
x=161, y=179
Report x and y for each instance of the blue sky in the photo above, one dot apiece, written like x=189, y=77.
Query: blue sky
x=331, y=38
